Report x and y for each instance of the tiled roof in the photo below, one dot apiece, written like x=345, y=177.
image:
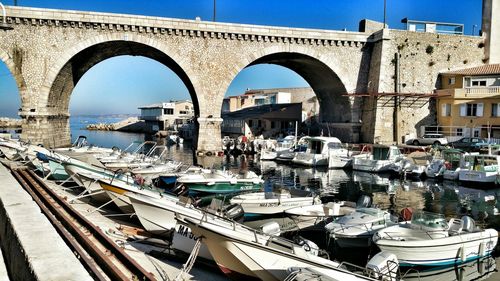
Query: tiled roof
x=487, y=69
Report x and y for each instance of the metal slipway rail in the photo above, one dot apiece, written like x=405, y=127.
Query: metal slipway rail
x=98, y=253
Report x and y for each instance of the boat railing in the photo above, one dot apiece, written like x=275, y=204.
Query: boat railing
x=371, y=273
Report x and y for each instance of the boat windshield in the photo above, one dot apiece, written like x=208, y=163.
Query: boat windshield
x=371, y=211
x=334, y=145
x=429, y=220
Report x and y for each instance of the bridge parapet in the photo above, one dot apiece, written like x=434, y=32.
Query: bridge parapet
x=181, y=27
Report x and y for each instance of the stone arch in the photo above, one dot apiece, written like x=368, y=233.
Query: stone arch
x=71, y=66
x=309, y=63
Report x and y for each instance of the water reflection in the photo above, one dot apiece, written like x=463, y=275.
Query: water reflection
x=387, y=192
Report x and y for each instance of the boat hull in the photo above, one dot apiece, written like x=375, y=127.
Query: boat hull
x=254, y=261
x=445, y=251
x=221, y=187
x=376, y=166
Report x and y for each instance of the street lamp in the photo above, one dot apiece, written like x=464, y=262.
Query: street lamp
x=3, y=24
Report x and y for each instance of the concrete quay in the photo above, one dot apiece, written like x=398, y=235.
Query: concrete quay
x=32, y=248
x=24, y=232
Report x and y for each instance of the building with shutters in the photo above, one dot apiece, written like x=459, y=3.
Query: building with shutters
x=468, y=103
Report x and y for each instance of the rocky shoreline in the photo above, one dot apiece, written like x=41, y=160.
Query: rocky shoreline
x=10, y=122
x=131, y=124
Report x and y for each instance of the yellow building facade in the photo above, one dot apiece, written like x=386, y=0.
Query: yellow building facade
x=469, y=101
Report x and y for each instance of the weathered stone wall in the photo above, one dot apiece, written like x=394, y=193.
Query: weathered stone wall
x=49, y=50
x=51, y=131
x=422, y=56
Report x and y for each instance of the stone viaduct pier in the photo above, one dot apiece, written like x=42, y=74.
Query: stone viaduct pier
x=48, y=51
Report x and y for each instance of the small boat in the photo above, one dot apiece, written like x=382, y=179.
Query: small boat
x=274, y=149
x=219, y=181
x=306, y=216
x=357, y=228
x=480, y=169
x=447, y=166
x=429, y=240
x=119, y=191
x=247, y=254
x=380, y=159
x=318, y=151
x=267, y=203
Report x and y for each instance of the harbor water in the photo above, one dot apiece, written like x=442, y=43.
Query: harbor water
x=387, y=192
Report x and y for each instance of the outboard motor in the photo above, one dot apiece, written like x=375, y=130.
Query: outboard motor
x=364, y=202
x=468, y=224
x=384, y=266
x=234, y=212
x=271, y=228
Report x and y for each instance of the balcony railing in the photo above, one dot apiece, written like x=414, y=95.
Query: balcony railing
x=471, y=92
x=483, y=90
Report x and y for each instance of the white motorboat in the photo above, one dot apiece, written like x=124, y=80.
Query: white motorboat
x=244, y=253
x=447, y=166
x=357, y=228
x=480, y=169
x=11, y=149
x=306, y=216
x=429, y=240
x=380, y=159
x=267, y=203
x=157, y=215
x=274, y=149
x=318, y=151
x=220, y=181
x=120, y=190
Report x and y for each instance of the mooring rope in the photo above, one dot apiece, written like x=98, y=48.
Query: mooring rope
x=190, y=261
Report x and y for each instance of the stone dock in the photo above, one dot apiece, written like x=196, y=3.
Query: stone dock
x=27, y=255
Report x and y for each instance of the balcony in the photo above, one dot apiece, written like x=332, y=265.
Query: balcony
x=470, y=93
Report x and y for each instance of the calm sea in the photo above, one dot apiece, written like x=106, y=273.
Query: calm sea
x=391, y=193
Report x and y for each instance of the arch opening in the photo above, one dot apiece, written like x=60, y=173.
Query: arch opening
x=67, y=78
x=9, y=93
x=324, y=110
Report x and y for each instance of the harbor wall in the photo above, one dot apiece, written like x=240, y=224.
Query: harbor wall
x=421, y=56
x=31, y=247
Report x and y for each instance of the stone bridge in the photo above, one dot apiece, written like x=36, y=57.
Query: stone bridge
x=48, y=51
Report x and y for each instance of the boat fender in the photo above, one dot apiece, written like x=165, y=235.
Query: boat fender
x=482, y=249
x=384, y=265
x=462, y=254
x=406, y=213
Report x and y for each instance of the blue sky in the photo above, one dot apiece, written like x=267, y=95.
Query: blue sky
x=114, y=82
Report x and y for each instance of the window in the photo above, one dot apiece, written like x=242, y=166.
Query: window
x=451, y=81
x=471, y=109
x=272, y=125
x=478, y=83
x=495, y=110
x=460, y=132
x=476, y=133
x=250, y=123
x=259, y=123
x=168, y=111
x=446, y=109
